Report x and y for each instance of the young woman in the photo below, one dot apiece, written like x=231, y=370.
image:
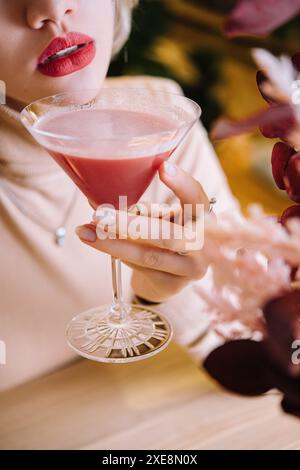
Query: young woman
x=43, y=284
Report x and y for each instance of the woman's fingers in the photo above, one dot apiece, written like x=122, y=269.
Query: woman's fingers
x=161, y=211
x=184, y=186
x=156, y=232
x=144, y=256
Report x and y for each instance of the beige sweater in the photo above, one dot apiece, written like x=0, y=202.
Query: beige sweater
x=42, y=285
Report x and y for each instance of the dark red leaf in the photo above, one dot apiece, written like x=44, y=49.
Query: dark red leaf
x=280, y=156
x=289, y=213
x=277, y=122
x=286, y=383
x=291, y=406
x=289, y=386
x=294, y=272
x=224, y=127
x=292, y=177
x=282, y=317
x=240, y=366
x=260, y=17
x=273, y=122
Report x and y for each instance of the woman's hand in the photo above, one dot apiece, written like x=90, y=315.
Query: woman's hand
x=159, y=270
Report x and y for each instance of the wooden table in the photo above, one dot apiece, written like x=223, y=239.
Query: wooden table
x=163, y=403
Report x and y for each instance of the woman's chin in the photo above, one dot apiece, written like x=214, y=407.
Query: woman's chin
x=47, y=86
x=40, y=86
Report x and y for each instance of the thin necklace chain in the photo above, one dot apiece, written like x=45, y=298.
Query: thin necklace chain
x=60, y=231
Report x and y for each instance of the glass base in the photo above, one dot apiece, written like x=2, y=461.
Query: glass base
x=98, y=337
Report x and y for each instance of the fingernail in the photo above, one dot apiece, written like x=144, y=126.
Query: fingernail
x=105, y=217
x=86, y=233
x=170, y=169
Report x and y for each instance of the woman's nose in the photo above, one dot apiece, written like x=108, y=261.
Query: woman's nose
x=39, y=12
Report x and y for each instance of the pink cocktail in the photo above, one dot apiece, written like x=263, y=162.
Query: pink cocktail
x=104, y=177
x=111, y=142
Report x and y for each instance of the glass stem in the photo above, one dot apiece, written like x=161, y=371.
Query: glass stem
x=118, y=312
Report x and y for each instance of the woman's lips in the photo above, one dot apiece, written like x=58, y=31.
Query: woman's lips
x=66, y=55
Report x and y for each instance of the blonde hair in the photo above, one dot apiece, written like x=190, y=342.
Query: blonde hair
x=123, y=17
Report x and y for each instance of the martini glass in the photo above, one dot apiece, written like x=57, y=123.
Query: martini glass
x=111, y=142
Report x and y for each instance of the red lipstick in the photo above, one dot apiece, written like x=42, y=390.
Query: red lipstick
x=66, y=55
